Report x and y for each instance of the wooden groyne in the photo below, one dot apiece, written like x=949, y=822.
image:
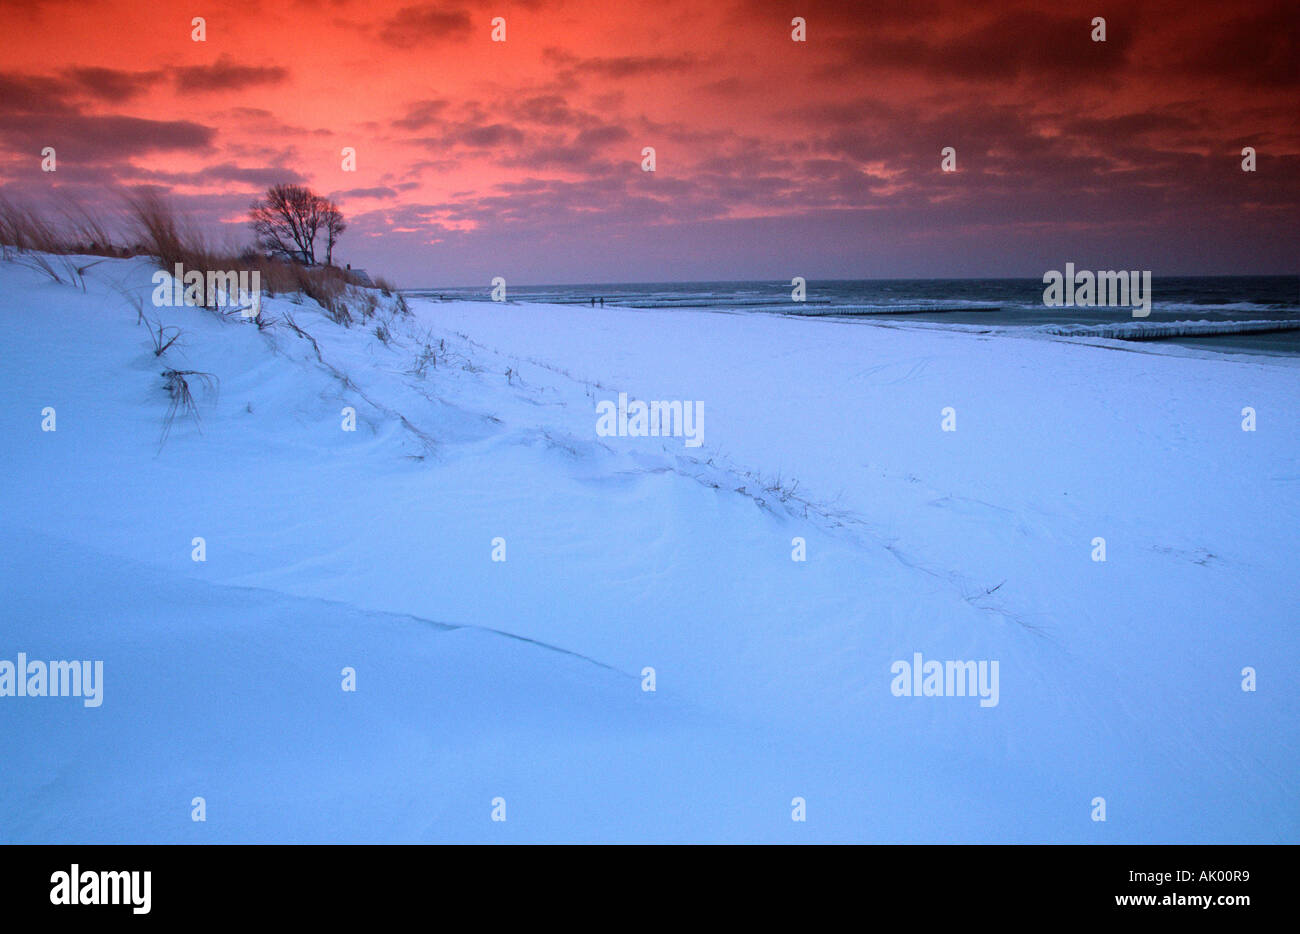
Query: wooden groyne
x=840, y=310
x=1167, y=330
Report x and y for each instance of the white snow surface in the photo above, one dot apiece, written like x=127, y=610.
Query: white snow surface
x=522, y=679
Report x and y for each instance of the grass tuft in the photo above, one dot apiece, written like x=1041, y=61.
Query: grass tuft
x=177, y=384
x=162, y=338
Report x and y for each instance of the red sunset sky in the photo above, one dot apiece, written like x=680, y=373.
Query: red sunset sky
x=774, y=158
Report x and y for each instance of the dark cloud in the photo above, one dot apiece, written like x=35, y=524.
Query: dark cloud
x=21, y=93
x=483, y=137
x=96, y=139
x=111, y=85
x=556, y=156
x=601, y=136
x=425, y=24
x=1021, y=44
x=422, y=114
x=379, y=192
x=1259, y=45
x=548, y=110
x=262, y=176
x=626, y=66
x=226, y=75
x=226, y=173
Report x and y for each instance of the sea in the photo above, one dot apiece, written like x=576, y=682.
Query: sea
x=1234, y=307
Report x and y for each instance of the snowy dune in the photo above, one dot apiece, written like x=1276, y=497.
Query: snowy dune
x=521, y=679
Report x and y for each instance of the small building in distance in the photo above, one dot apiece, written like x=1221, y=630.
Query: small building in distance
x=360, y=277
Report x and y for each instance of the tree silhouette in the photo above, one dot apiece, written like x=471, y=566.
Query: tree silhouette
x=334, y=227
x=288, y=219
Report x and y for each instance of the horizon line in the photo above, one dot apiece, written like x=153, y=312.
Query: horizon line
x=553, y=285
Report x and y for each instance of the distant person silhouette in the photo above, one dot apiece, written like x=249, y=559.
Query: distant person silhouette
x=602, y=301
x=593, y=303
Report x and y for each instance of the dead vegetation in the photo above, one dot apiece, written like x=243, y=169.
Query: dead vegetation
x=149, y=225
x=182, y=401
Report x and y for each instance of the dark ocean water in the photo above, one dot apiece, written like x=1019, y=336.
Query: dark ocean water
x=994, y=303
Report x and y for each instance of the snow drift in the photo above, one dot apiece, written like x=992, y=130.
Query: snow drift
x=516, y=688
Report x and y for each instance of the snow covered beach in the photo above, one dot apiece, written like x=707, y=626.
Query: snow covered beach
x=522, y=680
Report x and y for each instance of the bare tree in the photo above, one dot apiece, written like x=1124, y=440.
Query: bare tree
x=289, y=217
x=334, y=227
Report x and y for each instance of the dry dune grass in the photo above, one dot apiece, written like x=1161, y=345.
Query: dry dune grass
x=151, y=227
